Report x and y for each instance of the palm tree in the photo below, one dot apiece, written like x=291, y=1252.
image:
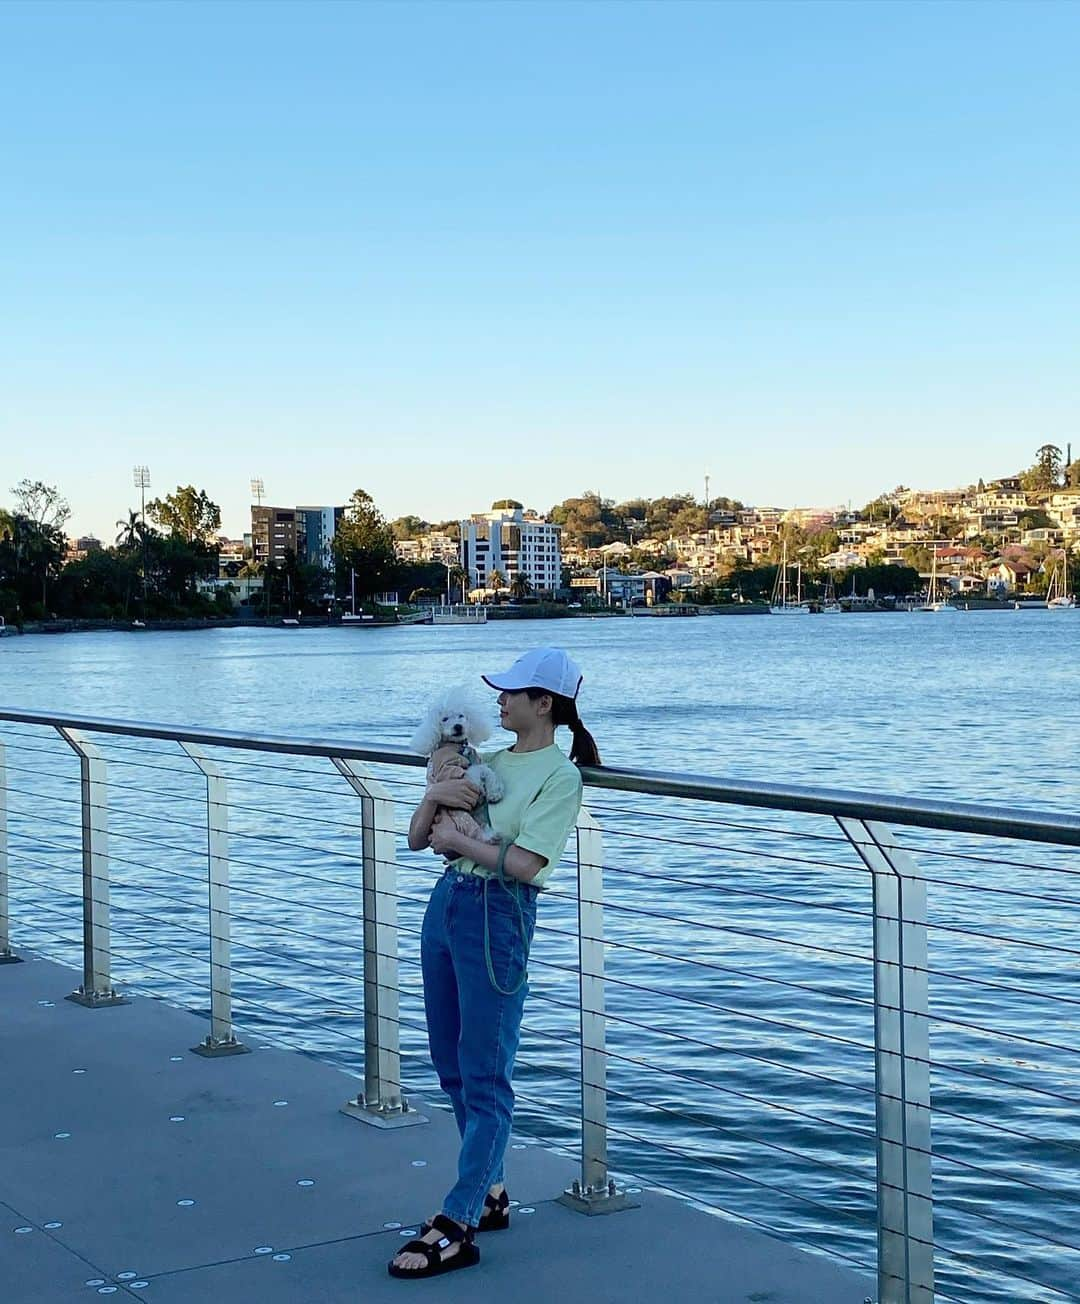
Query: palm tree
x=497, y=581
x=520, y=586
x=129, y=530
x=132, y=534
x=459, y=576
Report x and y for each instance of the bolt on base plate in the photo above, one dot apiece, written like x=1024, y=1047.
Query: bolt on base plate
x=96, y=1000
x=211, y=1049
x=403, y=1117
x=594, y=1203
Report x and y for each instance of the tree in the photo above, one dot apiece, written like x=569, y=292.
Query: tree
x=129, y=530
x=174, y=565
x=43, y=504
x=132, y=535
x=31, y=554
x=879, y=509
x=1045, y=473
x=918, y=556
x=520, y=586
x=1034, y=519
x=187, y=514
x=588, y=522
x=408, y=527
x=690, y=519
x=363, y=549
x=497, y=580
x=458, y=575
x=97, y=586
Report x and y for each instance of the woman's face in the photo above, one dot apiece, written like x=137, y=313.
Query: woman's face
x=519, y=713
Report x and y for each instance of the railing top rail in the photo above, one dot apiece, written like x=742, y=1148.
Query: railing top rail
x=958, y=817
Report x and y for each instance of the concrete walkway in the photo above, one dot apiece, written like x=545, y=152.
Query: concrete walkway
x=129, y=1166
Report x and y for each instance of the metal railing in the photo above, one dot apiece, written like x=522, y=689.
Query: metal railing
x=777, y=1028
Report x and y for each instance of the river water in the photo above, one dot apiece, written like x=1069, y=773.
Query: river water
x=741, y=1029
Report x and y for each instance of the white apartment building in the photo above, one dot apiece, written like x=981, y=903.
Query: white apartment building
x=515, y=542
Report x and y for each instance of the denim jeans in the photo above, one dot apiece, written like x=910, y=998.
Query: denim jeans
x=473, y=1030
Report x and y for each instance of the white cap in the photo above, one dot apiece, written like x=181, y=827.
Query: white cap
x=544, y=667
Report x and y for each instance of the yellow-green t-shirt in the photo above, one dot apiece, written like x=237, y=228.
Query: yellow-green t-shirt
x=539, y=808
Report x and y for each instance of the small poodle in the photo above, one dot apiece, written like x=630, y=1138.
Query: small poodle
x=454, y=723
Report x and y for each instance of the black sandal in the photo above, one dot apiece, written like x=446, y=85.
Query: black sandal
x=496, y=1215
x=452, y=1234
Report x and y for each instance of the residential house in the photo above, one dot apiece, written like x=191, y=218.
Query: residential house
x=1007, y=576
x=1063, y=508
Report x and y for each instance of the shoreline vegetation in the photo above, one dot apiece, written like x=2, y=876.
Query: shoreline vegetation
x=388, y=619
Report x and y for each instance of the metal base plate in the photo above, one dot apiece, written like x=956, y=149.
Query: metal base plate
x=212, y=1049
x=409, y=1118
x=93, y=1001
x=598, y=1204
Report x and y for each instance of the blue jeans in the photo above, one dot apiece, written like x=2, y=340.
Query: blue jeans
x=473, y=1030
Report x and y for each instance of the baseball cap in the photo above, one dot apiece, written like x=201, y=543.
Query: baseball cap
x=542, y=667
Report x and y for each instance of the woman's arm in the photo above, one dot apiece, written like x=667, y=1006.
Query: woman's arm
x=445, y=839
x=457, y=794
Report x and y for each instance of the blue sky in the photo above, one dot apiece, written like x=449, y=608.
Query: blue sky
x=454, y=252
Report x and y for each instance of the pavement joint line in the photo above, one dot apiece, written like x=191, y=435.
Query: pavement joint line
x=292, y=1249
x=57, y=1240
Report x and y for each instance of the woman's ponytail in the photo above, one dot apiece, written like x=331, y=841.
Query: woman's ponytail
x=583, y=750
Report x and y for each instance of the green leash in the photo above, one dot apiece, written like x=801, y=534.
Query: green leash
x=507, y=885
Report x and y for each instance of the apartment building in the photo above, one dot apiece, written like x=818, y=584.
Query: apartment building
x=275, y=531
x=306, y=532
x=319, y=526
x=514, y=542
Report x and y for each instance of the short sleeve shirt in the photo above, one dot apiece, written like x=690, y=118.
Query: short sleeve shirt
x=539, y=808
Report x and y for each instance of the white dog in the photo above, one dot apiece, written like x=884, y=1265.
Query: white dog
x=453, y=725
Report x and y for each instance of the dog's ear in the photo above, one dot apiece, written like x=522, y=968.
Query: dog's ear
x=426, y=738
x=478, y=722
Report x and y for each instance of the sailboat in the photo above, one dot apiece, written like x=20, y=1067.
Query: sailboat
x=1058, y=597
x=829, y=605
x=934, y=602
x=781, y=603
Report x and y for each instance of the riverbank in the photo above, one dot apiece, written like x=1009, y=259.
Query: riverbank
x=541, y=611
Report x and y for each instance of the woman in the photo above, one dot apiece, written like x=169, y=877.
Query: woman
x=476, y=937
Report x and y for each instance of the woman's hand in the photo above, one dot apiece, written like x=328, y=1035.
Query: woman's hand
x=444, y=838
x=456, y=794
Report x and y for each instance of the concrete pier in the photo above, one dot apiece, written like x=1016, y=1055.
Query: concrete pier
x=131, y=1167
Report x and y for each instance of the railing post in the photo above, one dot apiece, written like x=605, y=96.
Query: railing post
x=96, y=989
x=594, y=1192
x=222, y=1039
x=381, y=1102
x=7, y=955
x=902, y=1066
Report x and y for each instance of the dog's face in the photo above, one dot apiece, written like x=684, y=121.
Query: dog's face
x=453, y=726
x=452, y=718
